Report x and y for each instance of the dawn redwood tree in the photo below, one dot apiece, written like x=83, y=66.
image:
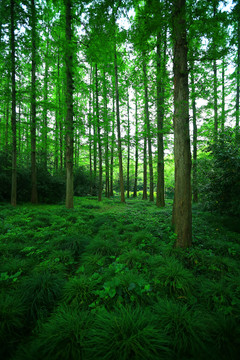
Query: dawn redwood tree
x=14, y=132
x=161, y=74
x=182, y=210
x=69, y=104
x=34, y=193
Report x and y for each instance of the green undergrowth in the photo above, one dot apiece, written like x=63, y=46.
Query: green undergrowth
x=104, y=281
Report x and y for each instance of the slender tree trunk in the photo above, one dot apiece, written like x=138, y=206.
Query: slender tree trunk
x=106, y=135
x=194, y=164
x=145, y=167
x=215, y=86
x=147, y=121
x=161, y=63
x=238, y=77
x=90, y=131
x=223, y=95
x=14, y=132
x=99, y=138
x=118, y=128
x=112, y=145
x=45, y=99
x=128, y=146
x=136, y=146
x=215, y=99
x=69, y=106
x=34, y=194
x=182, y=211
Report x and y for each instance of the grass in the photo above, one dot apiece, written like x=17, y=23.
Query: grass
x=103, y=281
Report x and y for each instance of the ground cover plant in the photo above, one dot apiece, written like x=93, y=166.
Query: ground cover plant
x=104, y=281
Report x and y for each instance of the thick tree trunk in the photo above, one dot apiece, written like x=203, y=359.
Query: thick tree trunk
x=161, y=63
x=14, y=132
x=69, y=106
x=182, y=212
x=136, y=146
x=99, y=139
x=34, y=194
x=147, y=122
x=118, y=128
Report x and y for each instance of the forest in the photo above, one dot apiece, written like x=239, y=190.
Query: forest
x=119, y=179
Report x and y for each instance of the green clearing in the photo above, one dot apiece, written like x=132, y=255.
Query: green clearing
x=103, y=281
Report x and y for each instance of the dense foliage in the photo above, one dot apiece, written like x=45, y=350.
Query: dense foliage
x=103, y=281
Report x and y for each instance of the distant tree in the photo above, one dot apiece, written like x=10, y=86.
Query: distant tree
x=69, y=104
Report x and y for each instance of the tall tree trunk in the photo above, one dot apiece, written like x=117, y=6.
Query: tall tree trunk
x=69, y=105
x=161, y=64
x=34, y=194
x=223, y=95
x=99, y=138
x=118, y=127
x=45, y=110
x=144, y=197
x=194, y=165
x=136, y=146
x=14, y=132
x=112, y=146
x=90, y=131
x=128, y=146
x=182, y=211
x=238, y=76
x=147, y=122
x=215, y=86
x=106, y=135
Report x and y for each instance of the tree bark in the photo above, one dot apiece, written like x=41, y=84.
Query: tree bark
x=182, y=212
x=128, y=146
x=118, y=128
x=161, y=63
x=99, y=138
x=106, y=135
x=34, y=194
x=194, y=164
x=112, y=146
x=144, y=197
x=238, y=75
x=14, y=131
x=136, y=146
x=147, y=122
x=69, y=105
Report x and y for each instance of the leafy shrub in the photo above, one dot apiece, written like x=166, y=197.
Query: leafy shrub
x=220, y=180
x=83, y=184
x=127, y=333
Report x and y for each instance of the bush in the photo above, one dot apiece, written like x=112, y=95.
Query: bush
x=219, y=185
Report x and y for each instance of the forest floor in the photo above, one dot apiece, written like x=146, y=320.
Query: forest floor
x=103, y=281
